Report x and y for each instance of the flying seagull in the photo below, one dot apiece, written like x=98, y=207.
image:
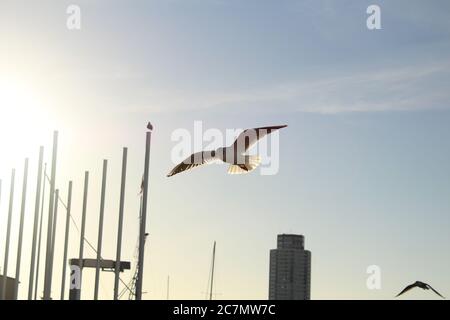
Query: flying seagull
x=234, y=154
x=420, y=285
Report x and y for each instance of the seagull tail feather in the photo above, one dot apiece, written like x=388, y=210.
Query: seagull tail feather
x=251, y=163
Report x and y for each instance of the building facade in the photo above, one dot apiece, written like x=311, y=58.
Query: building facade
x=290, y=269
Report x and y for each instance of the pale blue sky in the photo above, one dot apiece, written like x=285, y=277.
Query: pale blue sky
x=365, y=161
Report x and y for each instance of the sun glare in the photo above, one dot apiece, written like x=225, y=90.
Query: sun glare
x=23, y=124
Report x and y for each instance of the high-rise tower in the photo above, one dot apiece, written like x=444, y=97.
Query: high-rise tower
x=290, y=269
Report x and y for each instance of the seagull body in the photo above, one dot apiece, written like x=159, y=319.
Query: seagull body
x=420, y=285
x=234, y=155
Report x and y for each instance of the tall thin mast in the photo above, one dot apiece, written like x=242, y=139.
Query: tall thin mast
x=35, y=224
x=40, y=233
x=143, y=220
x=212, y=271
x=100, y=229
x=120, y=224
x=48, y=255
x=8, y=234
x=22, y=217
x=168, y=286
x=66, y=240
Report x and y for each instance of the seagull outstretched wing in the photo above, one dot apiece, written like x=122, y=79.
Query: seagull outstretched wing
x=406, y=289
x=430, y=287
x=249, y=137
x=194, y=160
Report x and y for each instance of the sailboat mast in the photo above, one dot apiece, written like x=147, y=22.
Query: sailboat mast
x=168, y=287
x=212, y=271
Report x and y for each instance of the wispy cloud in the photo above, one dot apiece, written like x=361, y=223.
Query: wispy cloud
x=401, y=89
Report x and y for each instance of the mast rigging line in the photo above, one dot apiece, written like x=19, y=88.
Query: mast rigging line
x=85, y=239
